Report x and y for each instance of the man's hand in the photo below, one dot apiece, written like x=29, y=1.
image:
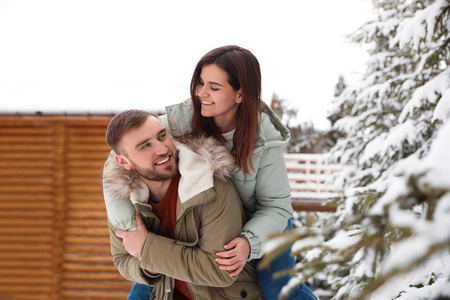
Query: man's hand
x=236, y=257
x=133, y=240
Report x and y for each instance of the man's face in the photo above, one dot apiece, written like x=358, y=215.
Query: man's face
x=150, y=151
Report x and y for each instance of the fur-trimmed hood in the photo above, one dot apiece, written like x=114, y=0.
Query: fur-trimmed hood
x=200, y=160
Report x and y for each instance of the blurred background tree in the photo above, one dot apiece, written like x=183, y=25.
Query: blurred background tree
x=305, y=138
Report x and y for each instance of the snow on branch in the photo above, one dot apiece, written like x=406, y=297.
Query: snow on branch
x=429, y=92
x=421, y=26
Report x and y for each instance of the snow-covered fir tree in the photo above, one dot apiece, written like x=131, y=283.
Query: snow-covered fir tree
x=390, y=237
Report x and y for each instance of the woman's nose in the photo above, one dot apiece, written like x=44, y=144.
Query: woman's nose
x=201, y=92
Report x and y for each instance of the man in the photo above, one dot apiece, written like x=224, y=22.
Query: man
x=187, y=210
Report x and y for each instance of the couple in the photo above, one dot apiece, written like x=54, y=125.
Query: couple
x=205, y=247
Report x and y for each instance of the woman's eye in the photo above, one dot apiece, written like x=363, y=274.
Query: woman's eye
x=162, y=136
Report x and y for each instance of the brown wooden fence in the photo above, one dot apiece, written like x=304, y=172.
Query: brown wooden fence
x=54, y=241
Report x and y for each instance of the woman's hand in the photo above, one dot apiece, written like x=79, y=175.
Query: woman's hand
x=133, y=240
x=235, y=258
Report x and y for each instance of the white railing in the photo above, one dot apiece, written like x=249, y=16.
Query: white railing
x=311, y=181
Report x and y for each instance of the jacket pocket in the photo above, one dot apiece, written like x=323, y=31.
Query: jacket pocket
x=241, y=290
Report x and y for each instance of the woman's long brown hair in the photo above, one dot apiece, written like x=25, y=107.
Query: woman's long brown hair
x=244, y=73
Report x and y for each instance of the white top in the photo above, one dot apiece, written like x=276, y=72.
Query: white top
x=228, y=136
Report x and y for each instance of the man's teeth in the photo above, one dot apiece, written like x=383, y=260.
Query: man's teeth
x=207, y=103
x=163, y=161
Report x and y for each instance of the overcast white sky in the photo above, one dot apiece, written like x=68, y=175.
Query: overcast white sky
x=107, y=56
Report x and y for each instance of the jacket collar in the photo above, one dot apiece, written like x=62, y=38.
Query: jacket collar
x=200, y=160
x=272, y=130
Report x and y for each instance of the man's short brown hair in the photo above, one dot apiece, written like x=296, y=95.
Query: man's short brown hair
x=122, y=123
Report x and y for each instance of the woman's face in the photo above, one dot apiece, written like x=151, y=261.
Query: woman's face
x=218, y=98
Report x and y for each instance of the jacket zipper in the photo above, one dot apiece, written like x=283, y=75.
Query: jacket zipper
x=174, y=231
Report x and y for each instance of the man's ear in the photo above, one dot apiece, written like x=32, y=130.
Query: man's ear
x=123, y=161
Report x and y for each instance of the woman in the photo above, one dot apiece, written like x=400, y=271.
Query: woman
x=226, y=104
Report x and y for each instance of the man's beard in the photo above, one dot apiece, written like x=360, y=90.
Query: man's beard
x=150, y=174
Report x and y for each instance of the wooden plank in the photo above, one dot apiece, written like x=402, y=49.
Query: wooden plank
x=72, y=267
x=12, y=272
x=26, y=214
x=25, y=265
x=30, y=204
x=23, y=132
x=94, y=277
x=25, y=148
x=22, y=222
x=101, y=148
x=92, y=249
x=26, y=289
x=77, y=223
x=69, y=294
x=91, y=241
x=83, y=214
x=30, y=156
x=19, y=188
x=97, y=196
x=89, y=258
x=25, y=247
x=87, y=232
x=99, y=139
x=26, y=178
x=25, y=295
x=79, y=164
x=26, y=163
x=26, y=230
x=28, y=196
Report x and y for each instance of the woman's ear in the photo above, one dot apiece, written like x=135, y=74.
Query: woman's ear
x=239, y=97
x=123, y=162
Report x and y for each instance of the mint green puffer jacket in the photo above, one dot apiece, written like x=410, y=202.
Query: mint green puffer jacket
x=266, y=193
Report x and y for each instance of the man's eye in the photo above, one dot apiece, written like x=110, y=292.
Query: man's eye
x=162, y=136
x=145, y=146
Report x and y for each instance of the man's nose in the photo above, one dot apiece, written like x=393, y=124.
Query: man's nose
x=160, y=148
